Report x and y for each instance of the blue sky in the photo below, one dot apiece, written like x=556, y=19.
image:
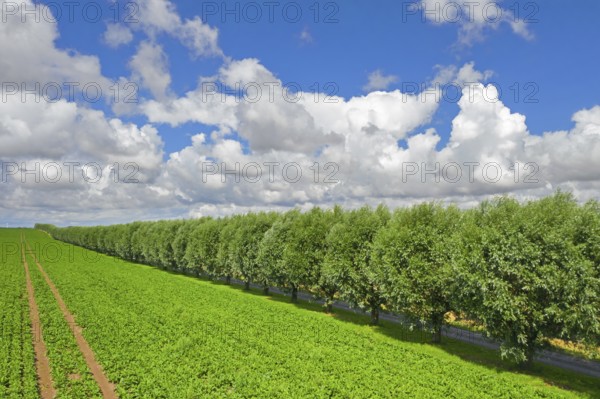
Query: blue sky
x=350, y=40
x=541, y=57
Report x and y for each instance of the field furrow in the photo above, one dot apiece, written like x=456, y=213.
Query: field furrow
x=81, y=350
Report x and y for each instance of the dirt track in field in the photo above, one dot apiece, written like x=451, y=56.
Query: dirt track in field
x=107, y=388
x=42, y=365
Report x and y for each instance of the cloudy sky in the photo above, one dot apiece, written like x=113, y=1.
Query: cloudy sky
x=119, y=111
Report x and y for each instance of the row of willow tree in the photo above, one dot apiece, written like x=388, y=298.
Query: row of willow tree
x=524, y=271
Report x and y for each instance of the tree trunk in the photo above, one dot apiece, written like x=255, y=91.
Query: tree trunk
x=247, y=285
x=436, y=338
x=436, y=324
x=528, y=364
x=375, y=315
x=266, y=290
x=294, y=293
x=328, y=302
x=228, y=279
x=529, y=351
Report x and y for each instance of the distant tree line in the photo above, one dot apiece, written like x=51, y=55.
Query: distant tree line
x=524, y=271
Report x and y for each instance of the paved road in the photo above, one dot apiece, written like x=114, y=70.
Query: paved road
x=567, y=362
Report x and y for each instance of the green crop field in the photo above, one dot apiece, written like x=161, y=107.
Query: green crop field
x=17, y=360
x=69, y=371
x=163, y=335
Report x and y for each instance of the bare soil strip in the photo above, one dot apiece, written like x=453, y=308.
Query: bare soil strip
x=107, y=388
x=42, y=364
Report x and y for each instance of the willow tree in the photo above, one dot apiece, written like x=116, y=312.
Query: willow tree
x=201, y=253
x=244, y=245
x=348, y=262
x=304, y=252
x=225, y=261
x=181, y=241
x=525, y=277
x=272, y=270
x=166, y=232
x=416, y=255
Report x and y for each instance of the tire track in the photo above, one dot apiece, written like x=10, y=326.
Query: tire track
x=42, y=363
x=106, y=387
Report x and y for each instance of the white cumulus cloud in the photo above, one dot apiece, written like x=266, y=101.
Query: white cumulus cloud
x=378, y=81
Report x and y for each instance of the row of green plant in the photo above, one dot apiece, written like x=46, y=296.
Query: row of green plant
x=161, y=335
x=70, y=374
x=17, y=357
x=525, y=271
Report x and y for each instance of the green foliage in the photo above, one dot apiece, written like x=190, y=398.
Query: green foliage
x=527, y=272
x=226, y=261
x=202, y=247
x=525, y=277
x=417, y=253
x=273, y=269
x=348, y=262
x=162, y=336
x=244, y=245
x=304, y=250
